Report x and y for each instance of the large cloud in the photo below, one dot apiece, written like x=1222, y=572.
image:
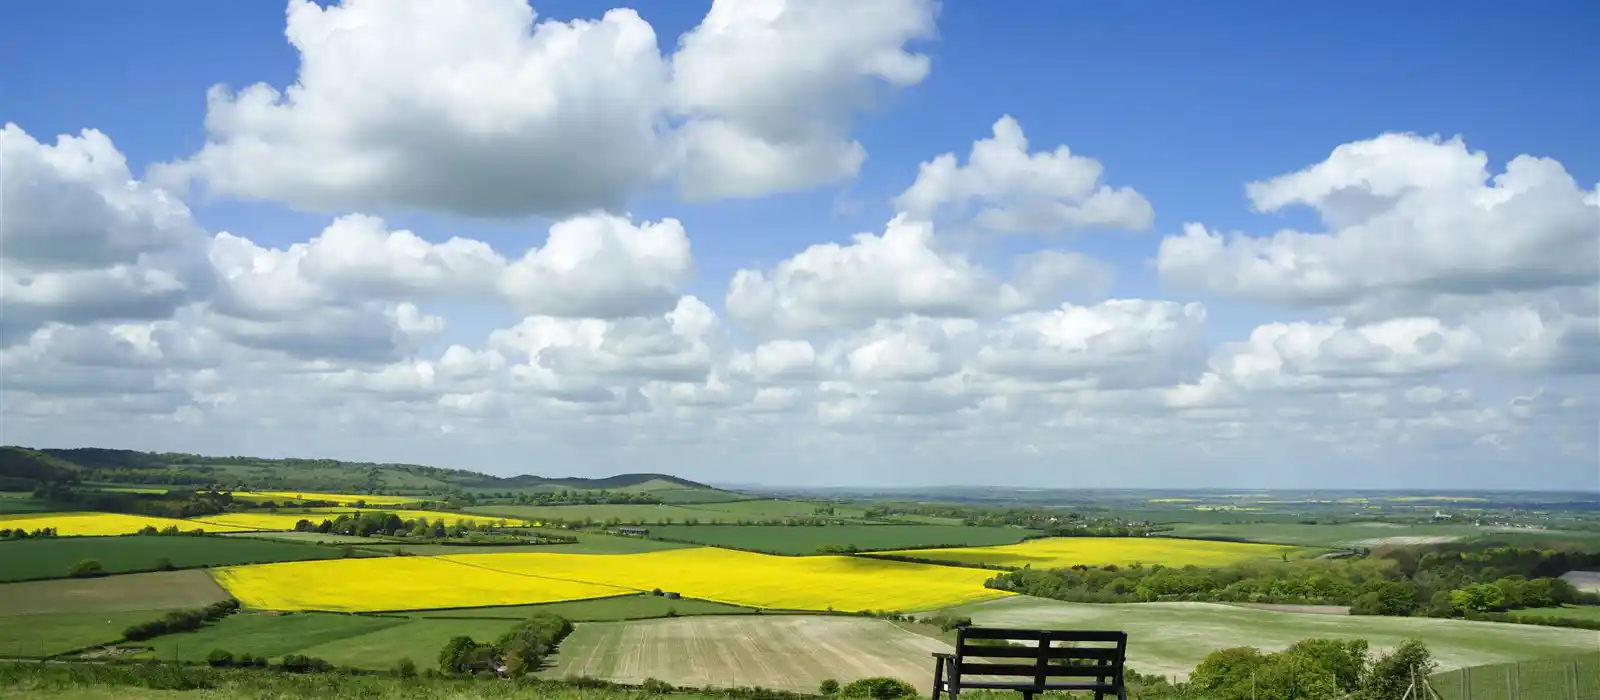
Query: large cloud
x=82, y=241
x=771, y=86
x=1006, y=189
x=903, y=271
x=1414, y=224
x=467, y=106
x=474, y=107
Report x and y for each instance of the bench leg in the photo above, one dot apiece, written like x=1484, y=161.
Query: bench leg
x=938, y=677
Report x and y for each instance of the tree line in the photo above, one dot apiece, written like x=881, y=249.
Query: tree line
x=1448, y=581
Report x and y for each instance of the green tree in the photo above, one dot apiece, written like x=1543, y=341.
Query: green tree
x=829, y=688
x=219, y=658
x=453, y=653
x=1392, y=674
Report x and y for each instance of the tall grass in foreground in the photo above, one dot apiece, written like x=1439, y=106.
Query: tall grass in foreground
x=52, y=680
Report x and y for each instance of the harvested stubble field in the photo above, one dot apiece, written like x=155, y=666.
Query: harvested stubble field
x=396, y=583
x=101, y=524
x=787, y=652
x=1171, y=638
x=807, y=539
x=24, y=560
x=1062, y=552
x=161, y=590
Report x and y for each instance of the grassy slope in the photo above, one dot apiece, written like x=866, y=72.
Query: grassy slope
x=58, y=682
x=163, y=590
x=1171, y=638
x=1540, y=678
x=633, y=607
x=785, y=539
x=50, y=558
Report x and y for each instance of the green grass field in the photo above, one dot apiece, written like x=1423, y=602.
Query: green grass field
x=307, y=537
x=642, y=513
x=163, y=590
x=1171, y=638
x=24, y=560
x=772, y=508
x=269, y=635
x=632, y=607
x=1338, y=535
x=48, y=634
x=805, y=539
x=1540, y=679
x=682, y=495
x=419, y=640
x=1571, y=612
x=21, y=502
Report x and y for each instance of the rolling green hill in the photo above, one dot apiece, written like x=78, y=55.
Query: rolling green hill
x=21, y=468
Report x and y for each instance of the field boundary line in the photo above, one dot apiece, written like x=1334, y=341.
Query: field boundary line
x=546, y=578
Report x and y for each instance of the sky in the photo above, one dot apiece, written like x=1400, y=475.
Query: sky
x=825, y=242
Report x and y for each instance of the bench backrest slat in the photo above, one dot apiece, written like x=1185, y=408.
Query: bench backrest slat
x=1034, y=655
x=1032, y=652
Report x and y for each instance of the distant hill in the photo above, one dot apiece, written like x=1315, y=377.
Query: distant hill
x=21, y=466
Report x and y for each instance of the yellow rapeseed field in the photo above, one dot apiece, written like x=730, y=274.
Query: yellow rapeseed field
x=90, y=524
x=393, y=583
x=285, y=519
x=1063, y=552
x=762, y=580
x=344, y=499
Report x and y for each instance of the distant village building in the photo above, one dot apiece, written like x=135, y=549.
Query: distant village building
x=635, y=531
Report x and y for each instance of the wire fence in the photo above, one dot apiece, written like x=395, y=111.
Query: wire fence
x=1547, y=679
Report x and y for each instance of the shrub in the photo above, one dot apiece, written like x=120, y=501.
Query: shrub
x=219, y=658
x=164, y=564
x=300, y=663
x=86, y=568
x=656, y=686
x=829, y=688
x=879, y=689
x=405, y=668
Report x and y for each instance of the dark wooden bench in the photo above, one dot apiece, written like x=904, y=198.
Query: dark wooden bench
x=1032, y=661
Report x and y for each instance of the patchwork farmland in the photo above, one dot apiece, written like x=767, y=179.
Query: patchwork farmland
x=804, y=591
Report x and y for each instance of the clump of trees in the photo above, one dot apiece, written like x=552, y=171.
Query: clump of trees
x=22, y=534
x=520, y=651
x=171, y=504
x=168, y=531
x=1311, y=669
x=180, y=621
x=1446, y=582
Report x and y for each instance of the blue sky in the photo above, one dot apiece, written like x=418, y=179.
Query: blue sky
x=1183, y=102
